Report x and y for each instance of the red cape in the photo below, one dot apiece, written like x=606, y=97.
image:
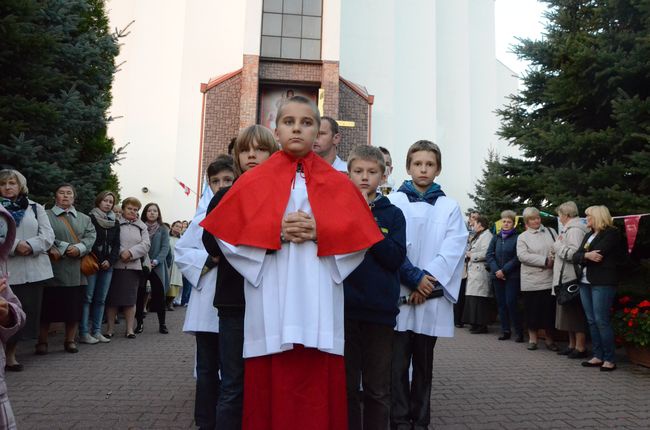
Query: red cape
x=251, y=212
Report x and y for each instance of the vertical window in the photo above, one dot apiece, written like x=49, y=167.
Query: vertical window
x=292, y=29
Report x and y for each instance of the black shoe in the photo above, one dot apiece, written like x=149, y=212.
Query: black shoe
x=479, y=330
x=14, y=367
x=607, y=369
x=519, y=338
x=566, y=351
x=130, y=336
x=139, y=327
x=505, y=336
x=578, y=354
x=163, y=329
x=590, y=364
x=459, y=325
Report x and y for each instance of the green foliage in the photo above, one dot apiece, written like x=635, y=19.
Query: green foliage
x=57, y=66
x=582, y=121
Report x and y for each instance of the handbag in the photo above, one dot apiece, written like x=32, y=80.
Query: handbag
x=89, y=263
x=566, y=292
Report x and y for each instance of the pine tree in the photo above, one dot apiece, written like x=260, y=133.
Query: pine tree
x=487, y=201
x=57, y=66
x=583, y=120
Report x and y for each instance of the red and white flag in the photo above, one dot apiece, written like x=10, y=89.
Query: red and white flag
x=631, y=229
x=186, y=189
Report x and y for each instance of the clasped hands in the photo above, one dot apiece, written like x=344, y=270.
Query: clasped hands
x=298, y=227
x=425, y=287
x=23, y=248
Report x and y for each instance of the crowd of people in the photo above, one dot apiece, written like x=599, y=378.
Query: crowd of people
x=316, y=300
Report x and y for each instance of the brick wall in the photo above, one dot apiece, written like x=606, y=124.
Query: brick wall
x=221, y=118
x=352, y=107
x=285, y=72
x=249, y=89
x=330, y=84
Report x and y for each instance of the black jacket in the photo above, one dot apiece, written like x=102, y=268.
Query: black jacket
x=502, y=255
x=372, y=289
x=609, y=243
x=107, y=243
x=229, y=295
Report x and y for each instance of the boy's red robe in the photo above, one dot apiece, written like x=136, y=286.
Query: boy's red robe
x=251, y=212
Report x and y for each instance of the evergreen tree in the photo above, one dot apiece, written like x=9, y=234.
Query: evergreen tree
x=57, y=66
x=583, y=120
x=487, y=201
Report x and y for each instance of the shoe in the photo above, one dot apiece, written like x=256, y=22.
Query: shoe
x=519, y=338
x=70, y=347
x=590, y=364
x=130, y=336
x=87, y=338
x=170, y=308
x=566, y=351
x=139, y=327
x=459, y=325
x=479, y=330
x=14, y=367
x=532, y=347
x=108, y=335
x=552, y=347
x=578, y=354
x=100, y=338
x=607, y=369
x=41, y=348
x=504, y=336
x=163, y=329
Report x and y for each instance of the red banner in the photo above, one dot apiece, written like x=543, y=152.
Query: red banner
x=631, y=229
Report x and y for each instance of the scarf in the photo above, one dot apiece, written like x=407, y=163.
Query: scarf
x=16, y=207
x=251, y=212
x=429, y=196
x=506, y=233
x=152, y=228
x=105, y=220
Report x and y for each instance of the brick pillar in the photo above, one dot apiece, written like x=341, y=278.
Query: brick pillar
x=330, y=83
x=249, y=87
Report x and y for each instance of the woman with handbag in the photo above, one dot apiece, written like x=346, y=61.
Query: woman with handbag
x=74, y=236
x=127, y=271
x=28, y=262
x=504, y=270
x=158, y=277
x=534, y=248
x=598, y=256
x=569, y=317
x=478, y=301
x=106, y=249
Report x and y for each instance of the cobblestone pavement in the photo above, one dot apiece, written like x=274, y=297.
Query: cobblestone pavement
x=479, y=383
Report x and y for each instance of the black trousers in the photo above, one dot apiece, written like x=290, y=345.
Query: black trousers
x=207, y=380
x=157, y=303
x=368, y=355
x=459, y=306
x=411, y=402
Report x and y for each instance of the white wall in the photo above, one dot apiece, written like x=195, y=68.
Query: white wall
x=172, y=48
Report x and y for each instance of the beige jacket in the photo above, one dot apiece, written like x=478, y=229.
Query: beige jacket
x=533, y=248
x=478, y=279
x=134, y=238
x=564, y=247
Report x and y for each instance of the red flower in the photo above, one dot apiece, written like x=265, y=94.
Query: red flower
x=630, y=323
x=626, y=310
x=644, y=304
x=625, y=299
x=635, y=311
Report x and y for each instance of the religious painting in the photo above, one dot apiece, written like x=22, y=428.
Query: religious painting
x=272, y=96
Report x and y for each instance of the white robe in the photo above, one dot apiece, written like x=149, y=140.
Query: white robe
x=340, y=165
x=190, y=256
x=292, y=295
x=436, y=238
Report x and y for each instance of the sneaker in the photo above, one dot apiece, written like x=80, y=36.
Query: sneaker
x=101, y=338
x=86, y=338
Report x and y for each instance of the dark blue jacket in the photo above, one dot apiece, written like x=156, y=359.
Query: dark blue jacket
x=502, y=255
x=372, y=290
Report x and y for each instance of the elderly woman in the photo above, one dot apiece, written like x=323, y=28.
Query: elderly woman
x=107, y=250
x=534, y=250
x=598, y=256
x=28, y=262
x=158, y=277
x=570, y=317
x=74, y=236
x=134, y=246
x=12, y=317
x=478, y=293
x=504, y=270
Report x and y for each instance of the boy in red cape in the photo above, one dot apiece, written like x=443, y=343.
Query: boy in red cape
x=295, y=228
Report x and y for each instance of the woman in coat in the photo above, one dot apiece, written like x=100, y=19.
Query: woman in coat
x=504, y=270
x=478, y=294
x=598, y=256
x=134, y=246
x=570, y=317
x=28, y=262
x=74, y=236
x=534, y=250
x=107, y=251
x=159, y=275
x=12, y=317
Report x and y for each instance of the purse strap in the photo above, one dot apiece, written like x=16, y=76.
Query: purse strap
x=63, y=217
